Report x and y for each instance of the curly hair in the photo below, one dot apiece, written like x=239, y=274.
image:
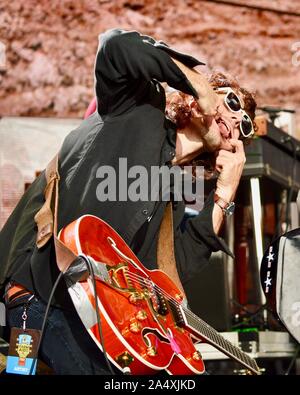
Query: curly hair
x=220, y=80
x=179, y=110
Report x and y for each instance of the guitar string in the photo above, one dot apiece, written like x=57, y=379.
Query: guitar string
x=149, y=282
x=140, y=279
x=143, y=280
x=207, y=328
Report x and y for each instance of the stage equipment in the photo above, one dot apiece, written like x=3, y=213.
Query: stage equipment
x=271, y=176
x=280, y=280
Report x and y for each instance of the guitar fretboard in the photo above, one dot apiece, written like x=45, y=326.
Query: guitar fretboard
x=205, y=331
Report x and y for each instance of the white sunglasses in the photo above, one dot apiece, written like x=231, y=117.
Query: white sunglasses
x=233, y=103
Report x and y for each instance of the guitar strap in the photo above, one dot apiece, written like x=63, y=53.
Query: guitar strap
x=46, y=220
x=166, y=260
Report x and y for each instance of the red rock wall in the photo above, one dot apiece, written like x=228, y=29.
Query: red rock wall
x=51, y=46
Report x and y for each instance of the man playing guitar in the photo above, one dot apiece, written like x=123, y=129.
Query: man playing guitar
x=204, y=121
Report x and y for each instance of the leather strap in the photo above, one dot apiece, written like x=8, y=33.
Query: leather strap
x=46, y=218
x=166, y=260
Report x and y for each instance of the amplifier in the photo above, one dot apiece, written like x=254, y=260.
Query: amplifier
x=276, y=156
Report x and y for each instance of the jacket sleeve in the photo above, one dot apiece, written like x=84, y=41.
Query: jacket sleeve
x=127, y=61
x=197, y=241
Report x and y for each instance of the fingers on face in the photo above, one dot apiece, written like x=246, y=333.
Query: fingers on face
x=237, y=144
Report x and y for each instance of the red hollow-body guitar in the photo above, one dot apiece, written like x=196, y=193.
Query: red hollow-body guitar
x=145, y=324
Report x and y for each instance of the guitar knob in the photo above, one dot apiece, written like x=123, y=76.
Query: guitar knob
x=124, y=359
x=135, y=327
x=151, y=351
x=197, y=356
x=141, y=315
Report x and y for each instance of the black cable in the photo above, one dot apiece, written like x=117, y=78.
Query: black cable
x=254, y=314
x=251, y=315
x=244, y=308
x=91, y=270
x=45, y=319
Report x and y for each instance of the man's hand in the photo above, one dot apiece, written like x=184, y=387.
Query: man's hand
x=207, y=100
x=230, y=166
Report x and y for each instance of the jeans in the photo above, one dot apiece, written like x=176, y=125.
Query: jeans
x=66, y=345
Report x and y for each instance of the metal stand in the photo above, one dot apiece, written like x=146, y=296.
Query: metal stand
x=229, y=262
x=257, y=225
x=258, y=236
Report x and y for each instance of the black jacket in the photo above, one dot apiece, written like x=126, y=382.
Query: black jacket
x=130, y=123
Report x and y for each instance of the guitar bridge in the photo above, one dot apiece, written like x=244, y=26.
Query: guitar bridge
x=120, y=277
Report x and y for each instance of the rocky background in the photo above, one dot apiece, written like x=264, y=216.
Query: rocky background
x=51, y=46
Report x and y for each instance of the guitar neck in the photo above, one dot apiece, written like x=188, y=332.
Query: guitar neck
x=201, y=330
